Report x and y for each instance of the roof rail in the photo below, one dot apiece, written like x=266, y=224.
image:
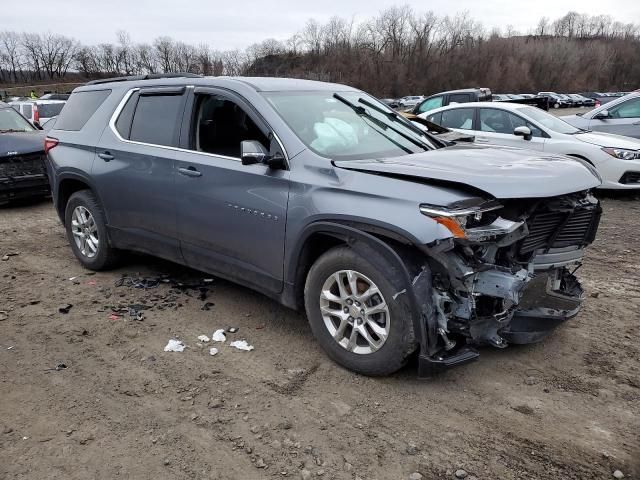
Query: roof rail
x=149, y=76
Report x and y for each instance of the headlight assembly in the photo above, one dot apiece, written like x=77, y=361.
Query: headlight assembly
x=622, y=153
x=460, y=221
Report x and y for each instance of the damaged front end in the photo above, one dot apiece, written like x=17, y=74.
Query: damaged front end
x=507, y=274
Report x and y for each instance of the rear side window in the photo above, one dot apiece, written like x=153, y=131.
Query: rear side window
x=48, y=110
x=461, y=118
x=78, y=109
x=157, y=119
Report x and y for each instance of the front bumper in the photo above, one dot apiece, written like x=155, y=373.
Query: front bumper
x=27, y=186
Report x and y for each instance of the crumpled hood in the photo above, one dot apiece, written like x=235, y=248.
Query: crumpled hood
x=609, y=140
x=503, y=172
x=20, y=143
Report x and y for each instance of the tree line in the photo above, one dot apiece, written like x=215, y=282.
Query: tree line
x=397, y=52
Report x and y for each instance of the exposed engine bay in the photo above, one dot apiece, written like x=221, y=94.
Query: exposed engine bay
x=507, y=276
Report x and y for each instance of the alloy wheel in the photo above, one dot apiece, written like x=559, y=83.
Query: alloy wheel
x=354, y=312
x=85, y=232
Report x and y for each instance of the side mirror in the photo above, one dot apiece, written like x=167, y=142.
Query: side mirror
x=524, y=132
x=37, y=125
x=602, y=115
x=252, y=151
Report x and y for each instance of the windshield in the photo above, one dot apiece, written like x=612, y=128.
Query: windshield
x=549, y=121
x=47, y=110
x=342, y=126
x=12, y=121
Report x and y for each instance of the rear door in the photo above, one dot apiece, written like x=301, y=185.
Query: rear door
x=134, y=170
x=231, y=217
x=624, y=119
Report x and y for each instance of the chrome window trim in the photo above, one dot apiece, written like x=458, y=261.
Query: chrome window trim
x=114, y=130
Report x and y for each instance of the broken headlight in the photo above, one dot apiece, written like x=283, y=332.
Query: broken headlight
x=467, y=222
x=622, y=153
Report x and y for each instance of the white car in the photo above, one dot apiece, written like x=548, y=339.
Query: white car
x=411, y=101
x=616, y=158
x=38, y=110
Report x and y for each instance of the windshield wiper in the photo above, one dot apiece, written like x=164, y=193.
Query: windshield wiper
x=11, y=130
x=363, y=112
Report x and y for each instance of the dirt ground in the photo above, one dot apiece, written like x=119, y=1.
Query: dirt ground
x=567, y=408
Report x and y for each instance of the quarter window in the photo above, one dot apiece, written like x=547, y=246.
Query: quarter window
x=79, y=109
x=461, y=118
x=157, y=119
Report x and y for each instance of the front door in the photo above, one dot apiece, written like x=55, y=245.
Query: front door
x=624, y=119
x=496, y=126
x=231, y=217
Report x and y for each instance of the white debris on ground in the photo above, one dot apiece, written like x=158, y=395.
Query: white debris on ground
x=203, y=338
x=241, y=345
x=218, y=336
x=174, y=346
x=213, y=351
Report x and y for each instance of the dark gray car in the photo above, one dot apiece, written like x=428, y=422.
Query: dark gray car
x=323, y=198
x=620, y=116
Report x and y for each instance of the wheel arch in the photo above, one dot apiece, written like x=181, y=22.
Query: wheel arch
x=371, y=242
x=67, y=185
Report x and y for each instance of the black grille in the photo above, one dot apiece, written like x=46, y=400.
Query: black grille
x=630, y=177
x=562, y=229
x=22, y=166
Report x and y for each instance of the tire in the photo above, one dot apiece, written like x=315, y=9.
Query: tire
x=556, y=105
x=83, y=204
x=399, y=343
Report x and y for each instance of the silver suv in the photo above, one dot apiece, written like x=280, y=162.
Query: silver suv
x=323, y=198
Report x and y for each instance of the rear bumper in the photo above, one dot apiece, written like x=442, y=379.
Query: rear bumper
x=23, y=187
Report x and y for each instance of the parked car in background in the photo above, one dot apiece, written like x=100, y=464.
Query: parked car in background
x=38, y=110
x=453, y=96
x=499, y=97
x=555, y=100
x=410, y=101
x=391, y=102
x=616, y=158
x=22, y=167
x=620, y=116
x=325, y=199
x=585, y=102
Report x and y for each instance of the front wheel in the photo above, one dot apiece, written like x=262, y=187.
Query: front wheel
x=359, y=313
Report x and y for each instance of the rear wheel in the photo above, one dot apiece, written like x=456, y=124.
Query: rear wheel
x=87, y=232
x=356, y=313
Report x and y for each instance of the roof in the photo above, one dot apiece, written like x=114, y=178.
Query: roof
x=260, y=84
x=499, y=105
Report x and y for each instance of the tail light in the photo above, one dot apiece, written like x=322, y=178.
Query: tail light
x=49, y=143
x=598, y=103
x=36, y=114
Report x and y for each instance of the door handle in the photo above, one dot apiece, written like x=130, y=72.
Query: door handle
x=106, y=156
x=190, y=172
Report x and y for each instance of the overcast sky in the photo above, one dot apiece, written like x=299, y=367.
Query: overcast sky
x=238, y=23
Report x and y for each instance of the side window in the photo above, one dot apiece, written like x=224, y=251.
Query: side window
x=157, y=119
x=27, y=110
x=459, y=98
x=461, y=118
x=430, y=104
x=628, y=109
x=220, y=125
x=435, y=118
x=495, y=121
x=518, y=121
